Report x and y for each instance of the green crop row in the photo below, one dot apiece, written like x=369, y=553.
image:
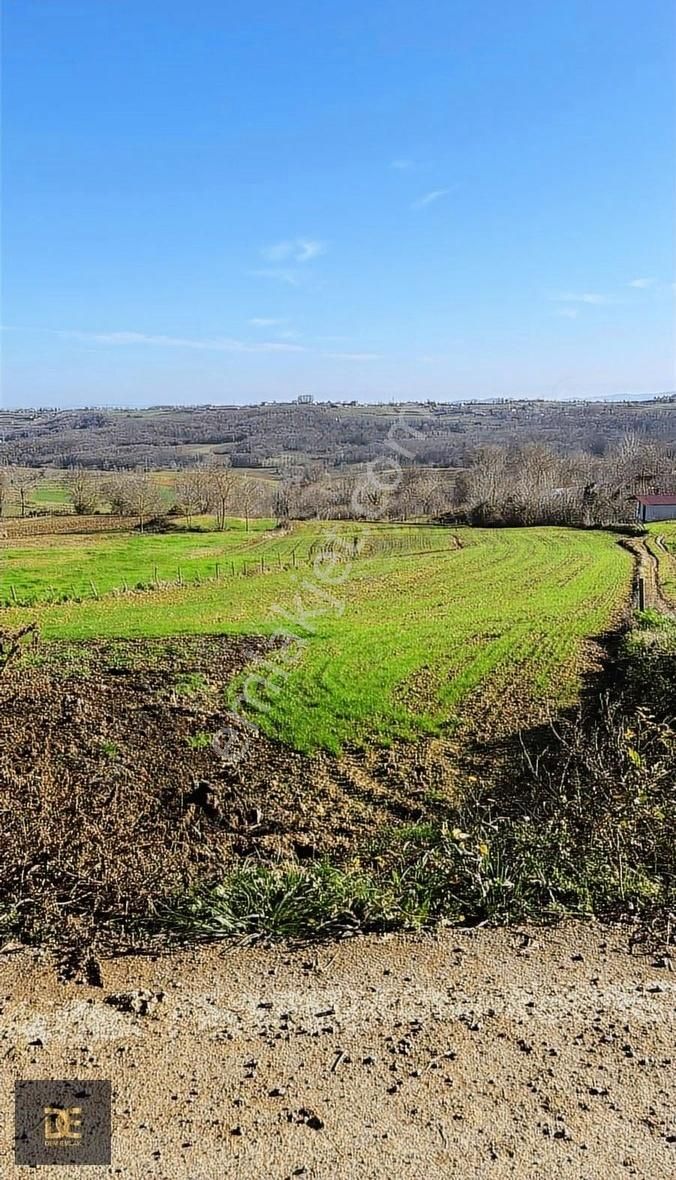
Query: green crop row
x=393, y=644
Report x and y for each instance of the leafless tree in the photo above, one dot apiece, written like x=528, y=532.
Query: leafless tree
x=4, y=488
x=82, y=489
x=420, y=493
x=285, y=499
x=138, y=494
x=247, y=498
x=22, y=481
x=192, y=493
x=220, y=485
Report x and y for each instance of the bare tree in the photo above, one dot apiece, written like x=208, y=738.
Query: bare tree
x=421, y=493
x=137, y=494
x=22, y=481
x=285, y=499
x=4, y=488
x=192, y=493
x=220, y=485
x=82, y=489
x=247, y=498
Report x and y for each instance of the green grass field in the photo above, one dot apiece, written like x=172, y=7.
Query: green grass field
x=395, y=647
x=53, y=568
x=49, y=493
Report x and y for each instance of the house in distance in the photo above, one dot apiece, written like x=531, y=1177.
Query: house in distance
x=651, y=508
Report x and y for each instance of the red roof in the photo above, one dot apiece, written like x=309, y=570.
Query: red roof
x=669, y=500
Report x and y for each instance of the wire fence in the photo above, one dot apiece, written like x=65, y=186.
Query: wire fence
x=298, y=556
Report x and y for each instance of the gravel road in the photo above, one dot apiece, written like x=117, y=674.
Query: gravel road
x=513, y=1053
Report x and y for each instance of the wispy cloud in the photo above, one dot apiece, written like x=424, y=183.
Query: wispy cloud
x=591, y=297
x=352, y=356
x=218, y=344
x=642, y=283
x=568, y=313
x=294, y=250
x=277, y=346
x=281, y=274
x=401, y=165
x=212, y=344
x=429, y=198
x=264, y=322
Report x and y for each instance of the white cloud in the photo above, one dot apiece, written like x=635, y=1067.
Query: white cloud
x=219, y=344
x=214, y=344
x=430, y=198
x=352, y=356
x=591, y=297
x=294, y=250
x=264, y=322
x=569, y=313
x=277, y=346
x=281, y=274
x=642, y=283
x=401, y=165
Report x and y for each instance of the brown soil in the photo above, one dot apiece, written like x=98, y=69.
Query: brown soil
x=530, y=1054
x=648, y=568
x=109, y=809
x=66, y=522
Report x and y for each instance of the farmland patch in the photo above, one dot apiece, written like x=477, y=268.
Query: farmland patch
x=406, y=637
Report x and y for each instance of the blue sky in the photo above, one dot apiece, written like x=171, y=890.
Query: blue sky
x=228, y=202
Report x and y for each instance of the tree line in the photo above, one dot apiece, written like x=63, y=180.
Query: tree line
x=213, y=488
x=518, y=484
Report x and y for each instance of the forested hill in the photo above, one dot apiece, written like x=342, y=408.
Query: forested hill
x=333, y=434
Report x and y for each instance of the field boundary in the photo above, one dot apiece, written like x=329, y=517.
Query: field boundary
x=648, y=569
x=42, y=526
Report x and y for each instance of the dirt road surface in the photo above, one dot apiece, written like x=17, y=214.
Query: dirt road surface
x=531, y=1054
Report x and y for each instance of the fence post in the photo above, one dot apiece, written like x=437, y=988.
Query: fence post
x=218, y=572
x=641, y=593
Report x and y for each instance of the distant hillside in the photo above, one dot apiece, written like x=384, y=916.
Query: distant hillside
x=334, y=435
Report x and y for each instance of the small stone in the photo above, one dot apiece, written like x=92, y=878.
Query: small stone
x=140, y=1002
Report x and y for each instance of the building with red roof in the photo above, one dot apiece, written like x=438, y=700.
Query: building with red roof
x=652, y=508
